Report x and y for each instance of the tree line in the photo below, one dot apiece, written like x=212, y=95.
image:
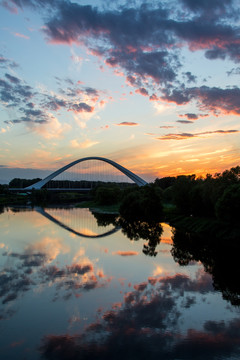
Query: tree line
x=216, y=196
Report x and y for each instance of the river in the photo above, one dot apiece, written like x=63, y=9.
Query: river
x=73, y=285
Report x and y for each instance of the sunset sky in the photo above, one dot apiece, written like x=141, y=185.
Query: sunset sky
x=153, y=85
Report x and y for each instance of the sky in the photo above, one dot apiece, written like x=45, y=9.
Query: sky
x=152, y=85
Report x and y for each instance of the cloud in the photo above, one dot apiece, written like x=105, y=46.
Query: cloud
x=184, y=121
x=10, y=7
x=142, y=91
x=68, y=280
x=7, y=63
x=22, y=36
x=51, y=129
x=206, y=6
x=166, y=127
x=127, y=123
x=83, y=145
x=81, y=107
x=14, y=93
x=34, y=107
x=148, y=51
x=12, y=79
x=145, y=42
x=125, y=253
x=234, y=71
x=190, y=77
x=130, y=327
x=214, y=99
x=182, y=283
x=183, y=136
x=190, y=116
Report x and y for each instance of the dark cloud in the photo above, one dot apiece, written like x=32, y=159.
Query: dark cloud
x=144, y=39
x=12, y=5
x=188, y=302
x=34, y=106
x=219, y=100
x=81, y=107
x=183, y=136
x=234, y=71
x=12, y=284
x=146, y=325
x=53, y=103
x=190, y=116
x=29, y=260
x=13, y=79
x=142, y=91
x=144, y=51
x=183, y=283
x=213, y=99
x=190, y=77
x=217, y=340
x=208, y=6
x=7, y=63
x=30, y=115
x=67, y=281
x=132, y=332
x=184, y=121
x=14, y=92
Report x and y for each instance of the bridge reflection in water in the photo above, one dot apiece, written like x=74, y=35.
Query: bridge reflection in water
x=80, y=222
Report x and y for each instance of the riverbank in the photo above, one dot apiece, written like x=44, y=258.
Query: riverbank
x=94, y=206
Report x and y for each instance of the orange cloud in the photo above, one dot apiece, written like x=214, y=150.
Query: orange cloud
x=125, y=253
x=127, y=123
x=142, y=91
x=183, y=136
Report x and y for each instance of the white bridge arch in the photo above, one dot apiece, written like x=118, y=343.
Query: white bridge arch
x=38, y=185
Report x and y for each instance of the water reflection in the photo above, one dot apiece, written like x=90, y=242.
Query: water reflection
x=143, y=230
x=64, y=296
x=84, y=232
x=219, y=258
x=147, y=324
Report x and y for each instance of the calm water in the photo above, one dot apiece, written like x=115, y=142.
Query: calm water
x=71, y=289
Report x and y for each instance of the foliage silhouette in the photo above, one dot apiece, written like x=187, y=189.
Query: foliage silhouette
x=150, y=231
x=228, y=206
x=142, y=204
x=219, y=258
x=107, y=195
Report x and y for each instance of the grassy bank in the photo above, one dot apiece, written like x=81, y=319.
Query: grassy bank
x=92, y=205
x=13, y=199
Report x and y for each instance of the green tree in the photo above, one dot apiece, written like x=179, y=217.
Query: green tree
x=22, y=183
x=107, y=195
x=228, y=206
x=181, y=193
x=142, y=203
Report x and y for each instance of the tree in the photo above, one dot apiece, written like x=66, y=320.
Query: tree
x=181, y=193
x=142, y=203
x=22, y=183
x=228, y=206
x=107, y=195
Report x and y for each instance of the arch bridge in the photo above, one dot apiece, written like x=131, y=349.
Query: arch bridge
x=135, y=178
